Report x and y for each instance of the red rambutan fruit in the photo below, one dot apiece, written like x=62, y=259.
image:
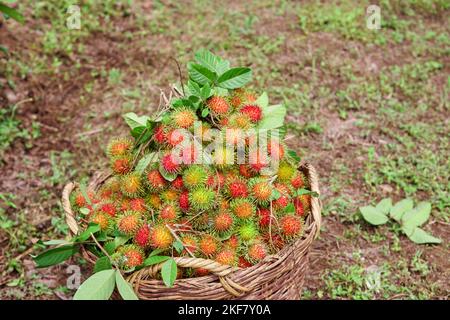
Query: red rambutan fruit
x=243, y=208
x=109, y=209
x=129, y=222
x=299, y=209
x=174, y=137
x=237, y=188
x=257, y=161
x=119, y=147
x=155, y=180
x=223, y=221
x=183, y=201
x=208, y=245
x=142, y=236
x=261, y=190
x=264, y=217
x=256, y=252
x=291, y=226
x=298, y=181
x=121, y=165
x=137, y=204
x=133, y=256
x=168, y=212
x=159, y=135
x=218, y=105
x=245, y=171
x=226, y=256
x=254, y=112
x=169, y=165
x=232, y=242
x=160, y=237
x=243, y=263
x=177, y=183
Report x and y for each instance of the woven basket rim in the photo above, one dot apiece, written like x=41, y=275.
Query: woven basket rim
x=228, y=275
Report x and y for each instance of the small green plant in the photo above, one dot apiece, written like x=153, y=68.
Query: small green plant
x=403, y=212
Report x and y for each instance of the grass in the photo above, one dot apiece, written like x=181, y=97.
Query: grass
x=367, y=107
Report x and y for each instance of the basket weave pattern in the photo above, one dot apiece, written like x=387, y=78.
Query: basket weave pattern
x=278, y=277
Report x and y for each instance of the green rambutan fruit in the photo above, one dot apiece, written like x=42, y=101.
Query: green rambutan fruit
x=291, y=226
x=261, y=190
x=226, y=256
x=240, y=121
x=218, y=105
x=129, y=222
x=142, y=236
x=131, y=184
x=208, y=245
x=160, y=237
x=223, y=222
x=169, y=195
x=286, y=171
x=195, y=176
x=154, y=180
x=119, y=147
x=236, y=188
x=154, y=201
x=202, y=198
x=256, y=252
x=169, y=212
x=248, y=231
x=183, y=118
x=243, y=208
x=121, y=165
x=131, y=256
x=103, y=220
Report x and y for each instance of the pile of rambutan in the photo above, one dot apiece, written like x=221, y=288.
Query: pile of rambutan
x=167, y=193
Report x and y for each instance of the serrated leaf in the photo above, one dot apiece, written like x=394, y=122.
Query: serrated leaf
x=273, y=117
x=373, y=216
x=399, y=209
x=169, y=272
x=99, y=286
x=134, y=121
x=200, y=74
x=235, y=78
x=420, y=236
x=11, y=12
x=125, y=289
x=55, y=256
x=155, y=260
x=101, y=264
x=417, y=216
x=145, y=161
x=263, y=100
x=384, y=206
x=211, y=61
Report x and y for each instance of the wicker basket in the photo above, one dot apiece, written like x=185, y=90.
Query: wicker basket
x=277, y=277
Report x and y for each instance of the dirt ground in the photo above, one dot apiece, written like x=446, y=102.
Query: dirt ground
x=368, y=108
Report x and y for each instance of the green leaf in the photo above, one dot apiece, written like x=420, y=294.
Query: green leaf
x=155, y=260
x=275, y=194
x=135, y=121
x=55, y=242
x=373, y=216
x=303, y=191
x=384, y=206
x=145, y=161
x=168, y=176
x=293, y=155
x=85, y=211
x=420, y=236
x=120, y=240
x=99, y=286
x=102, y=263
x=211, y=61
x=205, y=112
x=273, y=117
x=125, y=289
x=235, y=78
x=417, y=216
x=399, y=209
x=205, y=92
x=200, y=74
x=54, y=256
x=290, y=208
x=178, y=246
x=193, y=88
x=169, y=272
x=263, y=100
x=13, y=13
x=155, y=252
x=86, y=234
x=110, y=247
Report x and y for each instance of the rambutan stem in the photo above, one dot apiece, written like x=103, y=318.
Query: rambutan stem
x=179, y=240
x=104, y=251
